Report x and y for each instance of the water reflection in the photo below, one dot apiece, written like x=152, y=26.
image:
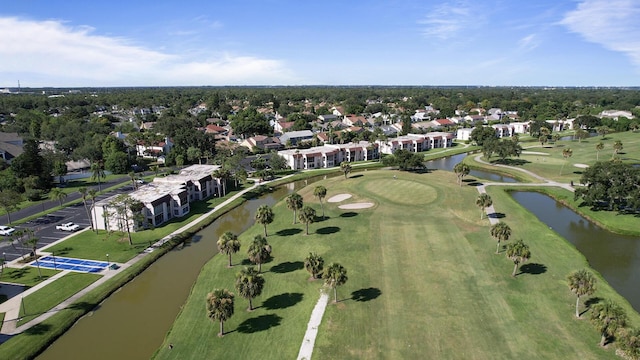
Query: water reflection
x=616, y=257
x=448, y=163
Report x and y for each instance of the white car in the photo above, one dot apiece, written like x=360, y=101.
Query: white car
x=6, y=230
x=68, y=227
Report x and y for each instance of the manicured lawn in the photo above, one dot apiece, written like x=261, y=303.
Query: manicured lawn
x=51, y=295
x=27, y=275
x=89, y=245
x=552, y=165
x=423, y=279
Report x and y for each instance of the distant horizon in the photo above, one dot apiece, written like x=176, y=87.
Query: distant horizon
x=317, y=85
x=194, y=43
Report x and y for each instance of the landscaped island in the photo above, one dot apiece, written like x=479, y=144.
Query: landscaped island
x=423, y=279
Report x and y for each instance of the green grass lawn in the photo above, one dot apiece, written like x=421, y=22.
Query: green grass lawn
x=27, y=275
x=423, y=279
x=552, y=165
x=51, y=295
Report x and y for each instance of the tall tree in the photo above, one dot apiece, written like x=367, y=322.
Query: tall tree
x=294, y=202
x=93, y=194
x=307, y=216
x=501, y=232
x=264, y=216
x=228, y=244
x=32, y=243
x=97, y=173
x=9, y=200
x=126, y=209
x=599, y=147
x=345, y=166
x=320, y=192
x=249, y=284
x=220, y=307
x=259, y=251
x=461, y=169
x=519, y=253
x=335, y=275
x=581, y=134
x=314, y=264
x=58, y=194
x=483, y=201
x=617, y=147
x=581, y=283
x=566, y=154
x=607, y=317
x=84, y=192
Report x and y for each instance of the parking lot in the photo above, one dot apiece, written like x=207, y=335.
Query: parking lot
x=45, y=226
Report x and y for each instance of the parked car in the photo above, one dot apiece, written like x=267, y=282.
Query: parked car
x=140, y=181
x=6, y=230
x=68, y=227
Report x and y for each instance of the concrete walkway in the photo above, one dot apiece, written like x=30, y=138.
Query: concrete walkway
x=306, y=349
x=11, y=307
x=545, y=182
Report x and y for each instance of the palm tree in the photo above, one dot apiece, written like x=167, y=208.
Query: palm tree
x=93, y=194
x=603, y=130
x=519, y=253
x=629, y=342
x=83, y=191
x=599, y=147
x=155, y=169
x=294, y=202
x=334, y=276
x=617, y=146
x=228, y=244
x=307, y=216
x=501, y=232
x=483, y=201
x=220, y=307
x=461, y=171
x=581, y=283
x=555, y=138
x=345, y=166
x=314, y=264
x=566, y=154
x=249, y=283
x=222, y=174
x=58, y=195
x=608, y=317
x=259, y=251
x=32, y=242
x=132, y=177
x=264, y=216
x=97, y=173
x=320, y=192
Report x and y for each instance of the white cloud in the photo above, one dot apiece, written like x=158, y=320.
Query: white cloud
x=610, y=23
x=447, y=20
x=61, y=55
x=528, y=42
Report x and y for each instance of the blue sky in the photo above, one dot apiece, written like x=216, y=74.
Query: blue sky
x=357, y=42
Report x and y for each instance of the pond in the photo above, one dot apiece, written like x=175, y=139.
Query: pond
x=616, y=257
x=447, y=163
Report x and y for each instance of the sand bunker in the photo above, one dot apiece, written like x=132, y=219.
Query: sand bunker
x=356, y=206
x=581, y=166
x=338, y=198
x=534, y=153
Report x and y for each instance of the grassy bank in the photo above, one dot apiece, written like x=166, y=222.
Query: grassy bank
x=423, y=279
